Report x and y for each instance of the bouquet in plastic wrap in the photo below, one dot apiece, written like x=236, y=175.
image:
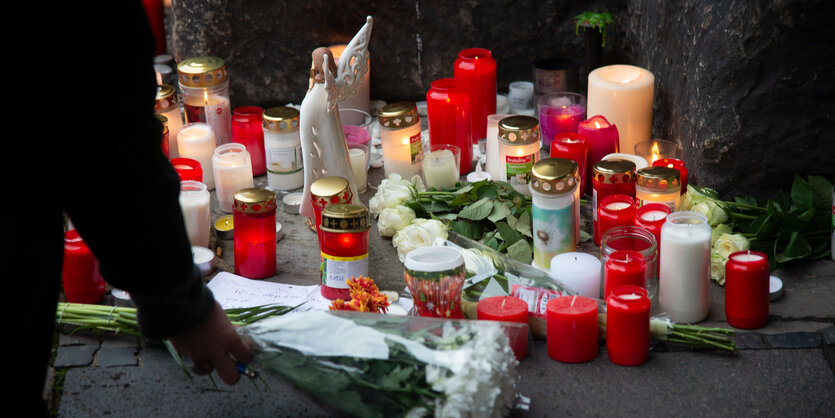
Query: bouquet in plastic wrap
x=374, y=365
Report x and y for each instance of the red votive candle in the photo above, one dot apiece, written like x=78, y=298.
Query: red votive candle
x=344, y=248
x=678, y=165
x=747, y=289
x=507, y=309
x=448, y=111
x=627, y=325
x=80, y=271
x=622, y=268
x=573, y=146
x=326, y=191
x=610, y=177
x=571, y=329
x=652, y=217
x=188, y=169
x=476, y=68
x=247, y=130
x=614, y=210
x=253, y=214
x=602, y=138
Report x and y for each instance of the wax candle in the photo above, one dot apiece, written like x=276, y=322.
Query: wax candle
x=614, y=211
x=232, y=167
x=573, y=146
x=204, y=84
x=476, y=68
x=225, y=226
x=435, y=276
x=80, y=275
x=658, y=185
x=254, y=241
x=187, y=169
x=448, y=110
x=555, y=209
x=168, y=104
x=283, y=148
x=610, y=177
x=344, y=248
x=623, y=94
x=507, y=309
x=518, y=150
x=358, y=157
x=654, y=150
x=196, y=141
x=492, y=163
x=326, y=191
x=639, y=162
x=624, y=267
x=400, y=139
x=579, y=272
x=747, y=281
x=194, y=203
x=678, y=165
x=601, y=139
x=440, y=166
x=560, y=112
x=520, y=96
x=633, y=238
x=627, y=325
x=684, y=270
x=652, y=217
x=361, y=99
x=247, y=130
x=571, y=329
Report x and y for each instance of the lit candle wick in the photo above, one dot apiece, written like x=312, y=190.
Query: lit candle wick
x=503, y=301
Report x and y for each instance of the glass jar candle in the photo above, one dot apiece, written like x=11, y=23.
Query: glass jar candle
x=658, y=185
x=164, y=121
x=448, y=111
x=684, y=267
x=283, y=148
x=344, y=248
x=610, y=177
x=573, y=146
x=560, y=112
x=652, y=217
x=518, y=150
x=627, y=326
x=196, y=141
x=168, y=104
x=602, y=138
x=678, y=165
x=195, y=205
x=80, y=271
x=491, y=145
x=435, y=276
x=624, y=267
x=555, y=209
x=614, y=211
x=187, y=169
x=247, y=130
x=747, y=293
x=655, y=149
x=400, y=139
x=633, y=238
x=326, y=191
x=254, y=240
x=232, y=168
x=440, y=166
x=204, y=84
x=476, y=68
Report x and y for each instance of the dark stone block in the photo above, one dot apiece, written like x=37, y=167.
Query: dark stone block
x=116, y=356
x=795, y=340
x=828, y=336
x=749, y=341
x=74, y=356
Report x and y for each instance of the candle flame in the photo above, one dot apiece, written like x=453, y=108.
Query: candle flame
x=597, y=124
x=654, y=153
x=206, y=97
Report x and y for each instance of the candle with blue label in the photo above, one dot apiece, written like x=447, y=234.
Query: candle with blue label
x=555, y=209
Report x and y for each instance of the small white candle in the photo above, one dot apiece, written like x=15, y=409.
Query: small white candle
x=440, y=169
x=630, y=296
x=232, y=168
x=478, y=175
x=194, y=203
x=747, y=257
x=492, y=144
x=640, y=162
x=579, y=272
x=653, y=215
x=623, y=94
x=358, y=160
x=197, y=141
x=684, y=269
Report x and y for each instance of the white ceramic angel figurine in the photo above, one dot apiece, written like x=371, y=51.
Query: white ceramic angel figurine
x=324, y=148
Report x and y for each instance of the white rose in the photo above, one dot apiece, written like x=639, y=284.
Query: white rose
x=717, y=268
x=718, y=231
x=420, y=233
x=728, y=244
x=394, y=219
x=713, y=212
x=393, y=191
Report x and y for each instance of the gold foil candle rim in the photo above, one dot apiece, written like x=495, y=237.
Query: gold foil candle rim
x=330, y=190
x=254, y=200
x=658, y=178
x=166, y=98
x=554, y=176
x=164, y=121
x=345, y=217
x=398, y=115
x=519, y=130
x=202, y=72
x=281, y=119
x=614, y=171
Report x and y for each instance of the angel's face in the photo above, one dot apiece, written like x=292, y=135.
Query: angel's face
x=317, y=72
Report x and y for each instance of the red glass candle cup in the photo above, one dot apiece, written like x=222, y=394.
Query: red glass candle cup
x=627, y=325
x=247, y=130
x=573, y=146
x=188, y=169
x=652, y=217
x=571, y=329
x=624, y=268
x=344, y=248
x=614, y=211
x=678, y=165
x=747, y=289
x=507, y=309
x=253, y=214
x=448, y=111
x=560, y=112
x=602, y=138
x=80, y=271
x=633, y=238
x=476, y=68
x=610, y=177
x=326, y=191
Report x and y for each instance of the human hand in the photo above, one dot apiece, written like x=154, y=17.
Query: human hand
x=214, y=344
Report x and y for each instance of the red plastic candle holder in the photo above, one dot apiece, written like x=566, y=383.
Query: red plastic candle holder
x=602, y=138
x=624, y=268
x=253, y=214
x=80, y=271
x=652, y=217
x=572, y=329
x=573, y=146
x=476, y=69
x=344, y=248
x=188, y=169
x=326, y=191
x=613, y=211
x=448, y=111
x=247, y=130
x=507, y=309
x=627, y=325
x=678, y=165
x=747, y=289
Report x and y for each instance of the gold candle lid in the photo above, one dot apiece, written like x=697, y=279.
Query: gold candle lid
x=202, y=72
x=614, y=171
x=398, y=115
x=254, y=200
x=345, y=217
x=519, y=130
x=166, y=98
x=663, y=179
x=554, y=175
x=281, y=119
x=330, y=190
x=164, y=121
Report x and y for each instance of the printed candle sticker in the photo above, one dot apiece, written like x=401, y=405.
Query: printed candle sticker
x=284, y=160
x=536, y=298
x=555, y=231
x=519, y=169
x=416, y=148
x=335, y=271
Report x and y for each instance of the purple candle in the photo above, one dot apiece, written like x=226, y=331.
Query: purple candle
x=560, y=112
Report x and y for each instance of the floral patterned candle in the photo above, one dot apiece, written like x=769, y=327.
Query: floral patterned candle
x=435, y=276
x=555, y=209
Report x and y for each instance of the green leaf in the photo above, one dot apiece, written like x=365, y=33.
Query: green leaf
x=447, y=216
x=471, y=230
x=584, y=236
x=487, y=190
x=821, y=191
x=520, y=251
x=509, y=234
x=797, y=247
x=524, y=224
x=499, y=212
x=801, y=194
x=478, y=210
x=512, y=220
x=746, y=200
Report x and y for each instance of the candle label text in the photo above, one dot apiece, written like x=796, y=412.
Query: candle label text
x=335, y=270
x=416, y=149
x=284, y=160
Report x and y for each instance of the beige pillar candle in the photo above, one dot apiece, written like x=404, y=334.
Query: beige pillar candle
x=623, y=94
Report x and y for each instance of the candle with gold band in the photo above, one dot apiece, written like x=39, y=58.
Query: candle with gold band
x=555, y=209
x=518, y=150
x=205, y=89
x=254, y=220
x=400, y=139
x=167, y=104
x=611, y=177
x=326, y=191
x=658, y=185
x=344, y=247
x=283, y=148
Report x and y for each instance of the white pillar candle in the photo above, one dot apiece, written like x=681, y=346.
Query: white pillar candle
x=579, y=272
x=400, y=139
x=197, y=141
x=232, y=168
x=358, y=155
x=684, y=270
x=623, y=94
x=440, y=168
x=492, y=144
x=194, y=203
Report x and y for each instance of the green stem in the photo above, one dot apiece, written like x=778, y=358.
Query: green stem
x=741, y=216
x=745, y=206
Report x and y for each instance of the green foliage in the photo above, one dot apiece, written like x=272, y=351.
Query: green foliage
x=600, y=21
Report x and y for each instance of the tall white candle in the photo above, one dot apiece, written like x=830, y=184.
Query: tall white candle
x=492, y=165
x=684, y=270
x=232, y=168
x=194, y=203
x=197, y=141
x=623, y=94
x=579, y=272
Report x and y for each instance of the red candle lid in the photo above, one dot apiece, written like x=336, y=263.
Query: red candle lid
x=571, y=305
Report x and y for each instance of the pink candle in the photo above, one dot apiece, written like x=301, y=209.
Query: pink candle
x=558, y=113
x=602, y=138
